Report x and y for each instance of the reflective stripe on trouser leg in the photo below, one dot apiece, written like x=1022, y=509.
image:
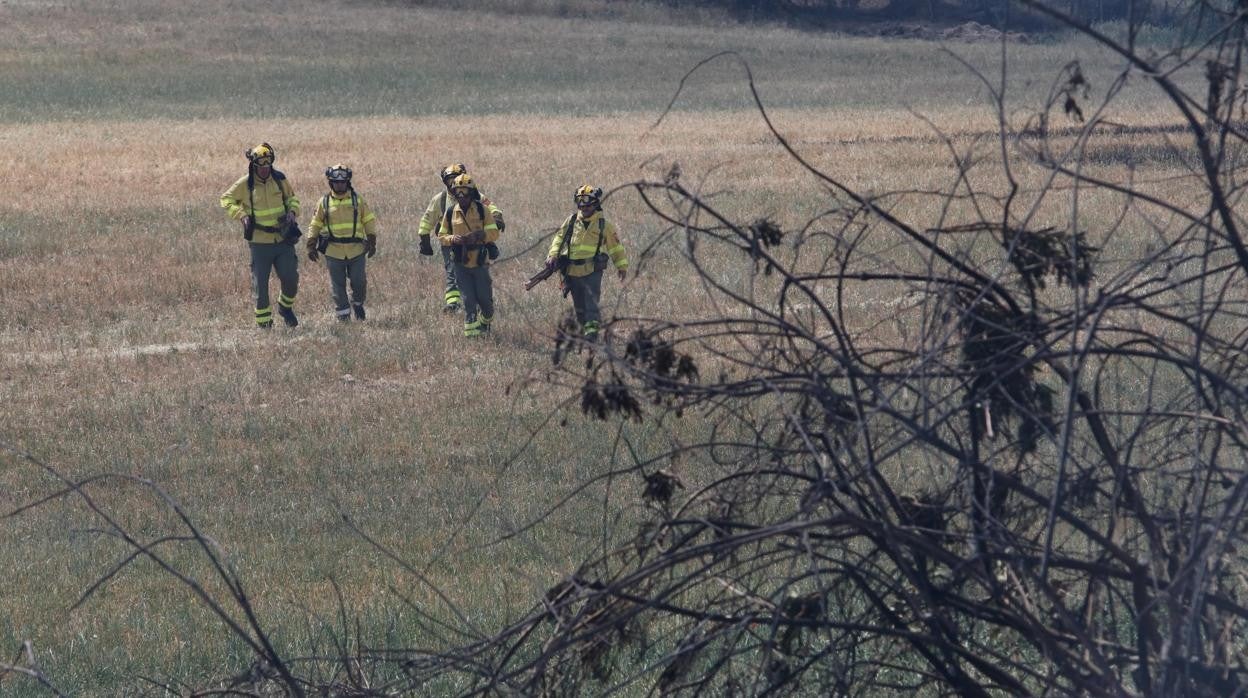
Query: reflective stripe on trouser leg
x=264, y=316
x=473, y=327
x=452, y=286
x=286, y=263
x=585, y=291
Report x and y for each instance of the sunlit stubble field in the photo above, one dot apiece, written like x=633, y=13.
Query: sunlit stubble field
x=125, y=326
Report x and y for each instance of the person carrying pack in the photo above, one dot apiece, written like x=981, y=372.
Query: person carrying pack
x=580, y=251
x=468, y=229
x=431, y=220
x=266, y=205
x=343, y=229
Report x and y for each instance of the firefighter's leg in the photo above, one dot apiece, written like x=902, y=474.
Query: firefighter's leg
x=286, y=262
x=261, y=264
x=338, y=285
x=359, y=285
x=591, y=294
x=452, y=298
x=466, y=280
x=576, y=289
x=485, y=296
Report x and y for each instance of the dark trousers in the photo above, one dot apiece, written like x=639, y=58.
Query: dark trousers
x=265, y=259
x=478, y=290
x=585, y=292
x=452, y=287
x=342, y=270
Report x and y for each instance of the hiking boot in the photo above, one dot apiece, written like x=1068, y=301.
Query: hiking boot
x=452, y=307
x=264, y=325
x=288, y=316
x=359, y=310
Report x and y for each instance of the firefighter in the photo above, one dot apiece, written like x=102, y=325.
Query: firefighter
x=266, y=205
x=434, y=212
x=581, y=250
x=344, y=229
x=467, y=229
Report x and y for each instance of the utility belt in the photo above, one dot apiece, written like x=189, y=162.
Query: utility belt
x=290, y=232
x=599, y=261
x=459, y=253
x=322, y=242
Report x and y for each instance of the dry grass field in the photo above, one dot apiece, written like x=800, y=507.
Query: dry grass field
x=126, y=343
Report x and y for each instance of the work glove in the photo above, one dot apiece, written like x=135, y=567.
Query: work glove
x=623, y=274
x=370, y=245
x=457, y=239
x=551, y=262
x=313, y=255
x=292, y=217
x=247, y=229
x=425, y=247
x=491, y=250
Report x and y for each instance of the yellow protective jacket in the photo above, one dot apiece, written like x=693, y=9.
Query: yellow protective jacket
x=584, y=238
x=436, y=210
x=267, y=202
x=347, y=222
x=476, y=221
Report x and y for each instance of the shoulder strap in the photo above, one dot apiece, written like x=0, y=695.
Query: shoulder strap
x=355, y=214
x=602, y=225
x=566, y=243
x=278, y=178
x=355, y=211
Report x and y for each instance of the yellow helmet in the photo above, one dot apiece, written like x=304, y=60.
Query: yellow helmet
x=588, y=194
x=463, y=181
x=452, y=171
x=338, y=173
x=262, y=155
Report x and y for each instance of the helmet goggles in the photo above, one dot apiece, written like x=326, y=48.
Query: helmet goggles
x=262, y=155
x=338, y=173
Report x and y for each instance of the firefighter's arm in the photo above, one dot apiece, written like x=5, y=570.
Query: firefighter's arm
x=370, y=229
x=429, y=220
x=611, y=241
x=289, y=199
x=317, y=225
x=446, y=230
x=232, y=200
x=557, y=243
x=495, y=212
x=368, y=219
